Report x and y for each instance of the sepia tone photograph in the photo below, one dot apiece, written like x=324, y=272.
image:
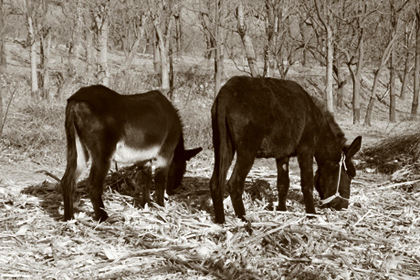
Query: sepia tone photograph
x=210, y=139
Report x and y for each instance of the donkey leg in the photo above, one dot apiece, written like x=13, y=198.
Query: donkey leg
x=96, y=180
x=236, y=183
x=307, y=181
x=161, y=178
x=283, y=182
x=146, y=175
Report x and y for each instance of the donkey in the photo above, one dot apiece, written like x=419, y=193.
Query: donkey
x=272, y=118
x=105, y=126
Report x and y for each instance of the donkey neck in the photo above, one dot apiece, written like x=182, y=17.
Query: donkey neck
x=329, y=146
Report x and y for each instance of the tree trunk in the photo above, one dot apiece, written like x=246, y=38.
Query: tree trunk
x=102, y=24
x=156, y=57
x=1, y=108
x=218, y=54
x=415, y=103
x=171, y=73
x=356, y=99
x=44, y=57
x=3, y=61
x=1, y=100
x=164, y=58
x=385, y=57
x=406, y=76
x=135, y=48
x=330, y=57
x=75, y=40
x=392, y=101
x=163, y=41
x=178, y=35
x=246, y=41
x=89, y=51
x=341, y=81
x=270, y=27
x=34, y=74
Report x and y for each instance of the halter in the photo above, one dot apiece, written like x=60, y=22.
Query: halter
x=337, y=194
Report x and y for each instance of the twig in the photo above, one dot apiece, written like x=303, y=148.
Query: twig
x=7, y=112
x=358, y=221
x=397, y=185
x=49, y=174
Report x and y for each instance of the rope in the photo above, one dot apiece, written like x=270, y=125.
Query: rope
x=337, y=194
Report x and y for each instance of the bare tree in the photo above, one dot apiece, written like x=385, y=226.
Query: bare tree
x=212, y=15
x=136, y=29
x=100, y=12
x=355, y=63
x=271, y=24
x=45, y=44
x=162, y=12
x=392, y=64
x=415, y=103
x=3, y=61
x=246, y=40
x=407, y=49
x=386, y=54
x=30, y=10
x=325, y=16
x=218, y=55
x=178, y=31
x=74, y=11
x=287, y=38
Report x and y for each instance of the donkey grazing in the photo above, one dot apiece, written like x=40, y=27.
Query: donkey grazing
x=272, y=118
x=105, y=126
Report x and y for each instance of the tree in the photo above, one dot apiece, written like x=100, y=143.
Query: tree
x=45, y=44
x=162, y=14
x=30, y=10
x=212, y=15
x=393, y=64
x=271, y=22
x=246, y=40
x=73, y=10
x=325, y=16
x=355, y=63
x=415, y=103
x=3, y=61
x=130, y=23
x=288, y=40
x=407, y=49
x=218, y=55
x=386, y=53
x=320, y=18
x=101, y=15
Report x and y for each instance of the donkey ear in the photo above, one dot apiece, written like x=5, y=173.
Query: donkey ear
x=354, y=147
x=188, y=154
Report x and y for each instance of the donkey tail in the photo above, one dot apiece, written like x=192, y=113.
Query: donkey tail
x=223, y=153
x=74, y=151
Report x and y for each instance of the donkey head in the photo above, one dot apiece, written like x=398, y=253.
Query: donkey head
x=177, y=169
x=332, y=180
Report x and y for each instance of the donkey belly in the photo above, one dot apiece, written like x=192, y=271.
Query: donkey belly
x=275, y=147
x=127, y=154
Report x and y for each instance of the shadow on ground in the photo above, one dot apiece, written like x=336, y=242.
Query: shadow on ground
x=194, y=192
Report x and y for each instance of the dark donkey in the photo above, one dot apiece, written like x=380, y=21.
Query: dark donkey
x=104, y=126
x=272, y=118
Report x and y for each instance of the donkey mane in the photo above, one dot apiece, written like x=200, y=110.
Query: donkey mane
x=335, y=128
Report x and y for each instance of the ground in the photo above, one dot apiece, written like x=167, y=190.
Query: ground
x=378, y=237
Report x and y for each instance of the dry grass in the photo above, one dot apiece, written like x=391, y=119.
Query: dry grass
x=393, y=153
x=377, y=238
